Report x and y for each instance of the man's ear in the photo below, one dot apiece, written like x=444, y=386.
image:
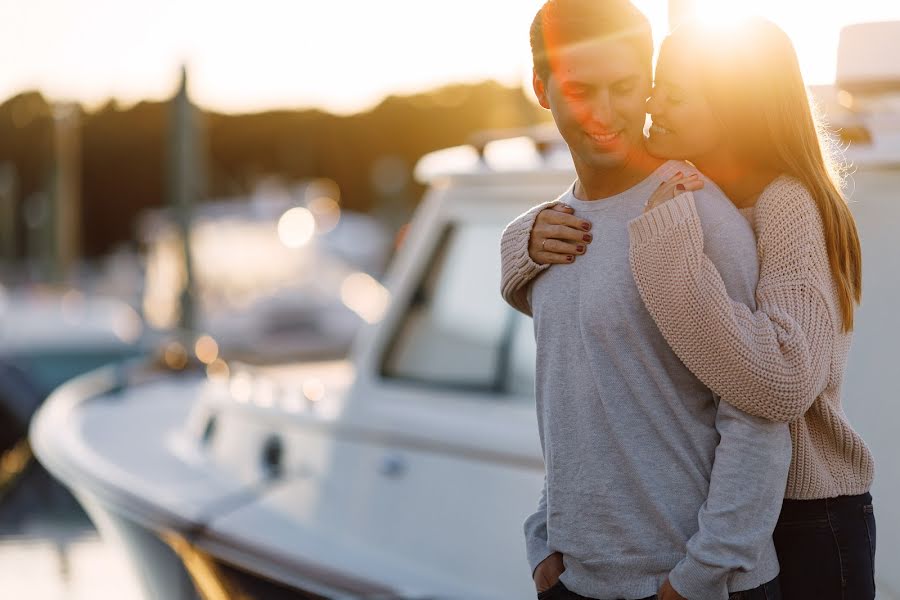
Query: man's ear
x=539, y=90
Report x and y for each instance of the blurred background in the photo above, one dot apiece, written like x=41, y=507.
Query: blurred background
x=279, y=140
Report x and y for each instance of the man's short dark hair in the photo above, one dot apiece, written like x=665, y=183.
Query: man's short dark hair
x=560, y=23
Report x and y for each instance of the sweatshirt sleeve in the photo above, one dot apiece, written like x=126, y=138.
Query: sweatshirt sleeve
x=536, y=547
x=742, y=506
x=751, y=462
x=517, y=270
x=772, y=362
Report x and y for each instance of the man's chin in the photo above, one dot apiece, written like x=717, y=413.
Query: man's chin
x=608, y=158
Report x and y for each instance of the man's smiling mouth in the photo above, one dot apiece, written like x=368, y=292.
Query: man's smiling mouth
x=604, y=138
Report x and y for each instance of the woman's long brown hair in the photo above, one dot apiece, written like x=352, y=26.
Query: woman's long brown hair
x=754, y=86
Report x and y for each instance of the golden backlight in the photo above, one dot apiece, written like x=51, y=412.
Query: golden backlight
x=814, y=29
x=342, y=55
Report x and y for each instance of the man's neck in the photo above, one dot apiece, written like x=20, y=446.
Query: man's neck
x=597, y=184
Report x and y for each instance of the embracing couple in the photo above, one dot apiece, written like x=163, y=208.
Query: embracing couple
x=693, y=334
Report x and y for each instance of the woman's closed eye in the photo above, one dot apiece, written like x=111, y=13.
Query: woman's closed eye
x=665, y=93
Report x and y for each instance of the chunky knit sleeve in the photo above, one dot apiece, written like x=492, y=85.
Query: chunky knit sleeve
x=772, y=362
x=517, y=270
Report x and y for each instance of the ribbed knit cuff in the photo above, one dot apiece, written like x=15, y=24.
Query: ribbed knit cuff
x=517, y=268
x=665, y=216
x=698, y=581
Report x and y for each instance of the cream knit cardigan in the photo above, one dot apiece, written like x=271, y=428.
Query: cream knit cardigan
x=783, y=362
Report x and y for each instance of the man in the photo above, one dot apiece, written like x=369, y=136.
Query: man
x=652, y=485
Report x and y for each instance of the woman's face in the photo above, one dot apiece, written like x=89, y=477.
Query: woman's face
x=684, y=126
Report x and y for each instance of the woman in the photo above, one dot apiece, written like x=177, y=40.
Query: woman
x=732, y=102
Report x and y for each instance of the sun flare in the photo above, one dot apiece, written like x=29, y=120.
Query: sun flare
x=722, y=11
x=816, y=46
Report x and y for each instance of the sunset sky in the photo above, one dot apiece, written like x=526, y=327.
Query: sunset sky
x=341, y=55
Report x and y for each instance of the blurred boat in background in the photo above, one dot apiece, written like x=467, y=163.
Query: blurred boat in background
x=268, y=275
x=407, y=469
x=46, y=338
x=53, y=336
x=267, y=271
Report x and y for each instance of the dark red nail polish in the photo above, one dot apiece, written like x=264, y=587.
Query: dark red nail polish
x=586, y=226
x=679, y=187
x=580, y=248
x=570, y=258
x=587, y=237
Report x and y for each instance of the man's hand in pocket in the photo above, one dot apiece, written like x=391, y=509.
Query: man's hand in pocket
x=547, y=573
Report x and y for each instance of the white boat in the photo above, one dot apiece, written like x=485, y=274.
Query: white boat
x=405, y=471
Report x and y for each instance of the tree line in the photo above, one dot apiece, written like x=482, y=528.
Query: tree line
x=123, y=150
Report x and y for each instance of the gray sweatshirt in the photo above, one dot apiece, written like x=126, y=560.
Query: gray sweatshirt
x=648, y=474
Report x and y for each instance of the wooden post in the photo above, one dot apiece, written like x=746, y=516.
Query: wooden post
x=8, y=218
x=185, y=186
x=65, y=209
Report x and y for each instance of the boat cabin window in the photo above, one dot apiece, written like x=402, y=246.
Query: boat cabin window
x=457, y=331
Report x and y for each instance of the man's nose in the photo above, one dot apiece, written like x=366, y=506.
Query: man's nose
x=602, y=110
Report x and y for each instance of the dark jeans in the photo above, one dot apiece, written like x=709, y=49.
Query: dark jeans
x=827, y=548
x=767, y=591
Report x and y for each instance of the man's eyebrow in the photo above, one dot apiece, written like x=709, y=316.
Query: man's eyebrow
x=575, y=83
x=627, y=79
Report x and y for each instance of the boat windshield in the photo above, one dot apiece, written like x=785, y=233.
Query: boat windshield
x=457, y=331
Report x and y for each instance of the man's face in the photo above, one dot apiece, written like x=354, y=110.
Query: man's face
x=597, y=92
